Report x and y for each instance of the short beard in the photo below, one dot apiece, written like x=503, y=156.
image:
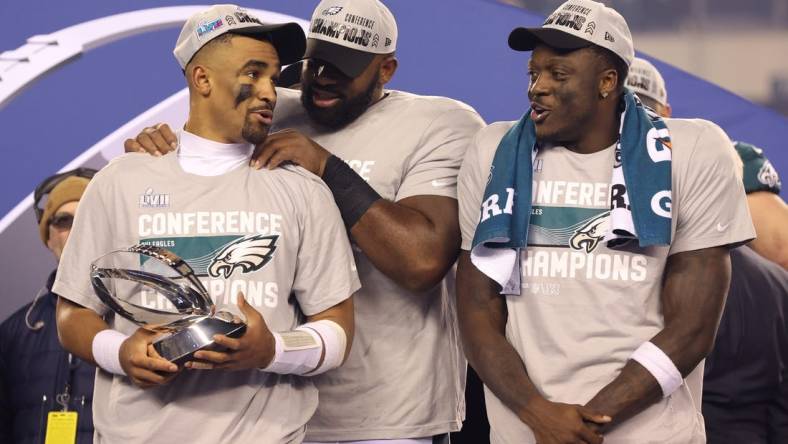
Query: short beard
x=341, y=114
x=253, y=134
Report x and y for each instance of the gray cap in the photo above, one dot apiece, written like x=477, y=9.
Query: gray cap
x=204, y=26
x=644, y=79
x=578, y=24
x=349, y=33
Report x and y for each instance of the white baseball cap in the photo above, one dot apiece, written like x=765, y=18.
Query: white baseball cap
x=202, y=27
x=349, y=33
x=577, y=24
x=644, y=79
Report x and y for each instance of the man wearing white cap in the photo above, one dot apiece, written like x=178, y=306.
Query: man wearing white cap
x=391, y=160
x=761, y=181
x=645, y=81
x=260, y=252
x=595, y=247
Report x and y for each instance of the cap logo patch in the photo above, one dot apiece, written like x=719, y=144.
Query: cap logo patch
x=767, y=175
x=334, y=10
x=388, y=41
x=207, y=27
x=609, y=37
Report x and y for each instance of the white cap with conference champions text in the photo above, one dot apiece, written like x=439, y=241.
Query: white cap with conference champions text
x=349, y=33
x=204, y=26
x=644, y=79
x=577, y=24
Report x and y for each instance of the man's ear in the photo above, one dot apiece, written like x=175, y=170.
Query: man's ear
x=387, y=69
x=199, y=78
x=608, y=83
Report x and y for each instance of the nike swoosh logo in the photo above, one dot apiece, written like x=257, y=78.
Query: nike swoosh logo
x=721, y=227
x=443, y=183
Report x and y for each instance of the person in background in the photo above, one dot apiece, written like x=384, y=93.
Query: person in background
x=36, y=373
x=745, y=384
x=761, y=181
x=745, y=387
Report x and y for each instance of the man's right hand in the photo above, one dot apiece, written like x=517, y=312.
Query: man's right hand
x=142, y=363
x=155, y=140
x=557, y=423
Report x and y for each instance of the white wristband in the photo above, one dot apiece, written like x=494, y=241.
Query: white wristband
x=106, y=350
x=334, y=343
x=660, y=366
x=298, y=351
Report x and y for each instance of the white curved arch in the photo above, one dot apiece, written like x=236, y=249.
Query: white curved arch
x=44, y=53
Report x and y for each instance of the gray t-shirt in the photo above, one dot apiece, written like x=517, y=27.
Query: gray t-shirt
x=584, y=308
x=141, y=199
x=405, y=375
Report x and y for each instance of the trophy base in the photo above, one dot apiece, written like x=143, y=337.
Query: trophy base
x=179, y=347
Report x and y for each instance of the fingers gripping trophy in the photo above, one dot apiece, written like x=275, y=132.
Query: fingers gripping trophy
x=131, y=281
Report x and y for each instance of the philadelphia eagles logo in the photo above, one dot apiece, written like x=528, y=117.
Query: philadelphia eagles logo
x=334, y=10
x=767, y=175
x=588, y=237
x=249, y=253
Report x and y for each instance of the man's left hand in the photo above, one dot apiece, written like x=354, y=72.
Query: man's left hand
x=254, y=350
x=290, y=146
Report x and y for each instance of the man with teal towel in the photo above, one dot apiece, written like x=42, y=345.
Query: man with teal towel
x=596, y=242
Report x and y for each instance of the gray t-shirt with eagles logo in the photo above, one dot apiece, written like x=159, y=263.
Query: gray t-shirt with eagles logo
x=584, y=308
x=276, y=236
x=405, y=375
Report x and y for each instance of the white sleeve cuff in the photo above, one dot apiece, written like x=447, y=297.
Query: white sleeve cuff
x=106, y=350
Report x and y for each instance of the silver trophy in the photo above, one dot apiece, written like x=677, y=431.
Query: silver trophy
x=157, y=290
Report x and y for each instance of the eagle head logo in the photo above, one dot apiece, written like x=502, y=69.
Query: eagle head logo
x=249, y=253
x=767, y=175
x=588, y=237
x=333, y=10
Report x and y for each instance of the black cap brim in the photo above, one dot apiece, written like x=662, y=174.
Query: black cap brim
x=526, y=39
x=351, y=62
x=290, y=76
x=288, y=39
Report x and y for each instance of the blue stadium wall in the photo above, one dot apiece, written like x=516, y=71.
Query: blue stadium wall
x=455, y=48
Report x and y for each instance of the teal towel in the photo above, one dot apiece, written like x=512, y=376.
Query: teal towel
x=641, y=179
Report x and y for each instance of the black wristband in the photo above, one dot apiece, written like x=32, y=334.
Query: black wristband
x=352, y=193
